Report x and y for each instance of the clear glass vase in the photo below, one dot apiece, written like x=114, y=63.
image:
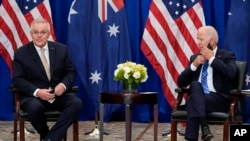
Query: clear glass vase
x=130, y=88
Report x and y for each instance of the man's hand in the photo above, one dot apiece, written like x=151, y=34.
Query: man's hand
x=199, y=60
x=45, y=94
x=206, y=53
x=59, y=90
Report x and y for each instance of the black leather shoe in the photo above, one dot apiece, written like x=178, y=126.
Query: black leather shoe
x=206, y=134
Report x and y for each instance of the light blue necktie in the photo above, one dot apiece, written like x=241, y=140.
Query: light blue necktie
x=204, y=78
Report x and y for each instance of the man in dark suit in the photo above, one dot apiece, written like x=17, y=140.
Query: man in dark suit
x=45, y=79
x=220, y=74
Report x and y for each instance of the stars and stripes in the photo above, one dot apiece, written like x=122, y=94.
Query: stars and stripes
x=15, y=19
x=169, y=39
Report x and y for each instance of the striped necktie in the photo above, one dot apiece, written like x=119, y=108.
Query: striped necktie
x=204, y=78
x=45, y=63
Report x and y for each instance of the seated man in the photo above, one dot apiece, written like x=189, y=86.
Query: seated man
x=44, y=73
x=208, y=92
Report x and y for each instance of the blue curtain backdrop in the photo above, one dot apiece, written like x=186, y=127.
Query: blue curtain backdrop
x=216, y=14
x=237, y=39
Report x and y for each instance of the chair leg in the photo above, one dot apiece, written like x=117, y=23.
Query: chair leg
x=173, y=130
x=75, y=131
x=21, y=126
x=65, y=137
x=225, y=131
x=15, y=130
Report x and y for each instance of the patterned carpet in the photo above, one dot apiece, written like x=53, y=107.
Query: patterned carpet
x=116, y=130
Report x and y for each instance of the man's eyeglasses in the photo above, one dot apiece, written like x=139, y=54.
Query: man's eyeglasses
x=37, y=33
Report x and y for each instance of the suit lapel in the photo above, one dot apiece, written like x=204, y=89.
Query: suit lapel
x=219, y=54
x=52, y=56
x=35, y=56
x=37, y=60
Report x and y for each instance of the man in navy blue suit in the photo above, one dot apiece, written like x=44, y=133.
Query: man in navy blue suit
x=221, y=72
x=44, y=73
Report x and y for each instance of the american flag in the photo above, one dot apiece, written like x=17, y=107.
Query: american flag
x=15, y=20
x=169, y=39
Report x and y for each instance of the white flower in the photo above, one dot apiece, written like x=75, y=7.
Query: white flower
x=127, y=69
x=130, y=72
x=126, y=75
x=137, y=75
x=145, y=79
x=116, y=72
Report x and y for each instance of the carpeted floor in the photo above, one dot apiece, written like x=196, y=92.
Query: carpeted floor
x=116, y=130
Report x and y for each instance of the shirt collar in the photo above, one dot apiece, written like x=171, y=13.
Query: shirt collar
x=39, y=48
x=215, y=49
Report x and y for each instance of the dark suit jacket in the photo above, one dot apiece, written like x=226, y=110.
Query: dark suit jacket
x=224, y=72
x=29, y=73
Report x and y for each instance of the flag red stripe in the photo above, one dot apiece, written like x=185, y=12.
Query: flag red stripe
x=160, y=71
x=5, y=28
x=163, y=49
x=14, y=18
x=4, y=53
x=172, y=39
x=193, y=15
x=46, y=15
x=188, y=37
x=103, y=10
x=29, y=18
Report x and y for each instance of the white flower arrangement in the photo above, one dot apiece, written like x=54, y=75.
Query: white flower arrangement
x=130, y=72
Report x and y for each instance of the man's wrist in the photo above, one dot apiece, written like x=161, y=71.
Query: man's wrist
x=63, y=86
x=35, y=92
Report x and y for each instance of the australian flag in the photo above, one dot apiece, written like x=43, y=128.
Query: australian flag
x=98, y=41
x=237, y=39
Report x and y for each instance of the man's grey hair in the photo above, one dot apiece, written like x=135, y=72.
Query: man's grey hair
x=39, y=20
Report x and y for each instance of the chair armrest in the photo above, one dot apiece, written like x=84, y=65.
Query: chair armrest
x=74, y=88
x=236, y=105
x=15, y=91
x=235, y=91
x=235, y=98
x=233, y=103
x=181, y=92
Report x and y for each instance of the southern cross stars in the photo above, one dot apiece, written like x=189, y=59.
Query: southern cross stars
x=113, y=30
x=95, y=77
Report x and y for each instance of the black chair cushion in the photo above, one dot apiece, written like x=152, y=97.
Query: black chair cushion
x=50, y=115
x=212, y=117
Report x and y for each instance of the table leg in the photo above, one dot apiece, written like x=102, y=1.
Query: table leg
x=128, y=122
x=101, y=121
x=155, y=122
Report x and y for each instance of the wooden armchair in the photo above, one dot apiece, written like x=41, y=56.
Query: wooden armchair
x=179, y=114
x=21, y=116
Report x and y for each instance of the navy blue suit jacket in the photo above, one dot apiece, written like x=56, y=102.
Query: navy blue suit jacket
x=29, y=73
x=224, y=72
